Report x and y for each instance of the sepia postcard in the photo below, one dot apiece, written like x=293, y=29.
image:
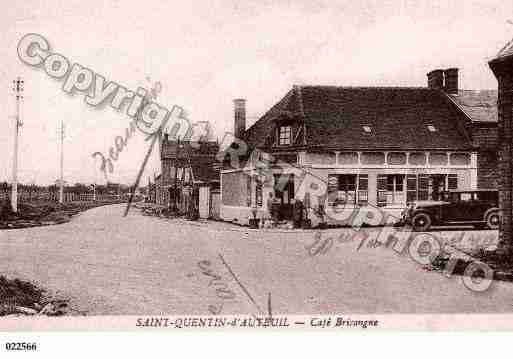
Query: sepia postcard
x=244, y=166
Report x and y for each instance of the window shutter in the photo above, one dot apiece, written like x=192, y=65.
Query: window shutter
x=411, y=188
x=452, y=181
x=363, y=190
x=423, y=187
x=248, y=191
x=382, y=190
x=332, y=188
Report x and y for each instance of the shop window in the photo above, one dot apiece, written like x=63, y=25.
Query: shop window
x=348, y=188
x=424, y=186
x=391, y=190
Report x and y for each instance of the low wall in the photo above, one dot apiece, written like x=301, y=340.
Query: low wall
x=241, y=215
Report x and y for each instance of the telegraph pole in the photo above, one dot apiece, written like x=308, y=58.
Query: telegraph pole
x=18, y=89
x=61, y=183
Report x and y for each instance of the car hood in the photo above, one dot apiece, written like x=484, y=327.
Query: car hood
x=418, y=204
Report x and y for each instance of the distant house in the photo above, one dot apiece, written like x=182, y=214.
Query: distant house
x=379, y=146
x=190, y=176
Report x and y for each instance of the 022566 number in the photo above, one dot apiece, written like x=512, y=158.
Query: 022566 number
x=20, y=346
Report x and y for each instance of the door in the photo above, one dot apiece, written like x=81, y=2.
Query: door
x=284, y=192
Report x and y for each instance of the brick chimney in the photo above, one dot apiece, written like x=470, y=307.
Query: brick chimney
x=239, y=117
x=451, y=80
x=502, y=68
x=436, y=79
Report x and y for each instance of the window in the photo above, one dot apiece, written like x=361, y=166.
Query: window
x=346, y=183
x=431, y=128
x=258, y=193
x=391, y=190
x=248, y=191
x=367, y=128
x=348, y=188
x=465, y=197
x=285, y=135
x=424, y=186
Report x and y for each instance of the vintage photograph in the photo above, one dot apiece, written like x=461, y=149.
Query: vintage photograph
x=235, y=165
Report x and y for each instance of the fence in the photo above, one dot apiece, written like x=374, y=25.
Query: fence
x=28, y=196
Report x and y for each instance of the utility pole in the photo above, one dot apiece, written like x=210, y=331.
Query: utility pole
x=61, y=182
x=18, y=89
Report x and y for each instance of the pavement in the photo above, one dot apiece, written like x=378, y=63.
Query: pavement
x=108, y=264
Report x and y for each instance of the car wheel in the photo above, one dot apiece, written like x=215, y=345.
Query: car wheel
x=421, y=222
x=493, y=220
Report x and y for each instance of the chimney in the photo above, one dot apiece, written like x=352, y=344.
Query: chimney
x=451, y=80
x=240, y=117
x=436, y=79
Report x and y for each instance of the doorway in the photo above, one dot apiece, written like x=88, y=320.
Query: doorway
x=284, y=192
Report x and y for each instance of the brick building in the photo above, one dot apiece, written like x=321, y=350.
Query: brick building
x=382, y=146
x=481, y=109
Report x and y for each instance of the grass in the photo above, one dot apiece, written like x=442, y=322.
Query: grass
x=19, y=293
x=37, y=213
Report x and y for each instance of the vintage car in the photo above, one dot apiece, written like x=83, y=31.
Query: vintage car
x=478, y=208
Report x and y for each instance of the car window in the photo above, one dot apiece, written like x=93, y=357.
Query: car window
x=487, y=196
x=465, y=197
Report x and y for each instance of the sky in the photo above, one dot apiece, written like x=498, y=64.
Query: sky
x=206, y=53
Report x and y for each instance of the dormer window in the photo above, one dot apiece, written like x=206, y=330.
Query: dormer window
x=431, y=128
x=285, y=135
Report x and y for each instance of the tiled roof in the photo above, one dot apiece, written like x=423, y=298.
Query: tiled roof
x=398, y=118
x=169, y=148
x=202, y=158
x=480, y=106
